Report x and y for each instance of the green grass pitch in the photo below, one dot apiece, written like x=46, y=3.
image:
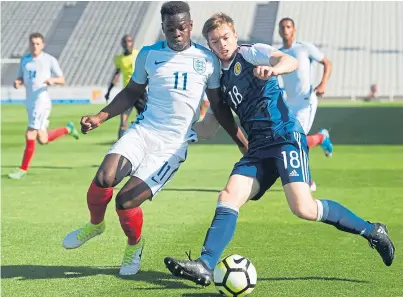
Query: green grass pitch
x=292, y=257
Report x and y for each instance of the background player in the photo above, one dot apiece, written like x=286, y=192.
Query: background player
x=124, y=63
x=277, y=147
x=301, y=97
x=37, y=71
x=177, y=72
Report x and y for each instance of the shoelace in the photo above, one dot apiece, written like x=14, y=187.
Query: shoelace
x=127, y=258
x=189, y=255
x=372, y=243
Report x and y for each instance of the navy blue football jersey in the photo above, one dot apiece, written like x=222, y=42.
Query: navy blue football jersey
x=259, y=104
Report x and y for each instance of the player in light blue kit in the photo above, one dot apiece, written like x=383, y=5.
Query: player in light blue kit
x=277, y=148
x=301, y=95
x=177, y=72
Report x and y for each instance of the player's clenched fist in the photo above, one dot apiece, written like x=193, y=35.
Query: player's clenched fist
x=264, y=72
x=17, y=83
x=89, y=123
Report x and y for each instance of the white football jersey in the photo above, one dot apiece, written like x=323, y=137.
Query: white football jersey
x=298, y=84
x=35, y=71
x=176, y=85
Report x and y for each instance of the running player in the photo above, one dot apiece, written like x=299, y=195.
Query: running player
x=301, y=96
x=37, y=71
x=124, y=63
x=177, y=73
x=277, y=148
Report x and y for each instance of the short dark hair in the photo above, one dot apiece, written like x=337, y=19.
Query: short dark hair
x=287, y=19
x=173, y=8
x=126, y=36
x=36, y=35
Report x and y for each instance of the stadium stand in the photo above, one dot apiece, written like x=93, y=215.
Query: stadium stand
x=363, y=39
x=19, y=19
x=96, y=39
x=366, y=47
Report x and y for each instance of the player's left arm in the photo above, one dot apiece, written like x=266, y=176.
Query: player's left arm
x=57, y=74
x=269, y=60
x=316, y=55
x=222, y=112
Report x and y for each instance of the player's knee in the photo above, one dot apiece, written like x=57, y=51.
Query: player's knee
x=230, y=198
x=31, y=134
x=123, y=201
x=306, y=211
x=42, y=140
x=105, y=179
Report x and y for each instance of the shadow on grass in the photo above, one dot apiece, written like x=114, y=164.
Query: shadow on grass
x=272, y=279
x=310, y=278
x=191, y=190
x=32, y=272
x=207, y=190
x=54, y=167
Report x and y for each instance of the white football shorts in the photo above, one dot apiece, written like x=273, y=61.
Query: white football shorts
x=38, y=116
x=153, y=160
x=305, y=111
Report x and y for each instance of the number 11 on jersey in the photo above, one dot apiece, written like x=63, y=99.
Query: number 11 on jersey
x=179, y=75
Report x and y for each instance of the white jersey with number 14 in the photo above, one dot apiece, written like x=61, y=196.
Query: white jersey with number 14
x=35, y=71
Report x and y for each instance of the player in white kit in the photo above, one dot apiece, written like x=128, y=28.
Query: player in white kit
x=37, y=71
x=300, y=95
x=177, y=73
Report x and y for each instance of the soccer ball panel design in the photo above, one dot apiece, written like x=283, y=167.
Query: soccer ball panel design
x=235, y=276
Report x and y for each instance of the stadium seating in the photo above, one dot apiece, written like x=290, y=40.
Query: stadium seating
x=88, y=55
x=364, y=40
x=19, y=19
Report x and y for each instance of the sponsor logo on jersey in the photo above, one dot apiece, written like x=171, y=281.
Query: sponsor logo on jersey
x=159, y=62
x=199, y=65
x=294, y=173
x=237, y=68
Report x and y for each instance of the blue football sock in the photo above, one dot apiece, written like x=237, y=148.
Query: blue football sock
x=343, y=219
x=219, y=235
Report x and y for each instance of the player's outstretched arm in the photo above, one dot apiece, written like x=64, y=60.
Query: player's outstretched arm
x=269, y=61
x=225, y=118
x=282, y=63
x=123, y=101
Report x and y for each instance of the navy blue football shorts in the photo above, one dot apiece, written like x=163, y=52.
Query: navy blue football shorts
x=287, y=159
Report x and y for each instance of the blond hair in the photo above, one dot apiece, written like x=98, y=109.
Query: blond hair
x=215, y=21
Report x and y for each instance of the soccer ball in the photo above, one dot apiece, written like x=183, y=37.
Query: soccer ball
x=235, y=276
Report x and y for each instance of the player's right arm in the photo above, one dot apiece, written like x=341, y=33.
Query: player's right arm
x=19, y=81
x=115, y=78
x=269, y=60
x=207, y=127
x=124, y=100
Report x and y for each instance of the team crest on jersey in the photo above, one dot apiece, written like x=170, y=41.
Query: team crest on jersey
x=199, y=65
x=237, y=68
